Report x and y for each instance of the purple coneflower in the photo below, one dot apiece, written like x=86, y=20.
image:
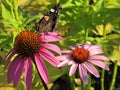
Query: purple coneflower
x=83, y=58
x=30, y=47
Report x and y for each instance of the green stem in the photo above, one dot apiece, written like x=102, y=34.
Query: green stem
x=102, y=79
x=72, y=83
x=44, y=84
x=113, y=77
x=103, y=71
x=89, y=83
x=104, y=32
x=86, y=34
x=83, y=86
x=87, y=86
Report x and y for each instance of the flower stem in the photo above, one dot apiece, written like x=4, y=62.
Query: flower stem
x=103, y=71
x=102, y=79
x=113, y=77
x=44, y=84
x=83, y=86
x=87, y=86
x=86, y=34
x=72, y=83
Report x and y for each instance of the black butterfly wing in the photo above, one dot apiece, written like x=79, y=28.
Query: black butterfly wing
x=49, y=20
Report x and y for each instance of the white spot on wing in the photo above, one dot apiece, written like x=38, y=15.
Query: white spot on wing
x=52, y=10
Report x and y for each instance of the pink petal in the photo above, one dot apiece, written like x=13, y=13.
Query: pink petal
x=66, y=51
x=96, y=51
x=71, y=62
x=87, y=45
x=50, y=37
x=83, y=73
x=42, y=68
x=9, y=56
x=79, y=45
x=100, y=64
x=18, y=71
x=28, y=73
x=62, y=64
x=72, y=47
x=49, y=33
x=68, y=56
x=98, y=57
x=48, y=56
x=61, y=58
x=53, y=33
x=12, y=68
x=91, y=69
x=94, y=47
x=52, y=47
x=73, y=69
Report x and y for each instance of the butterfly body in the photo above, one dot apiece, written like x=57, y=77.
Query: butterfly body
x=49, y=20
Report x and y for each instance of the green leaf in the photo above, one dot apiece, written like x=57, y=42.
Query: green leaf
x=113, y=37
x=6, y=41
x=98, y=5
x=54, y=72
x=100, y=29
x=11, y=18
x=115, y=56
x=7, y=10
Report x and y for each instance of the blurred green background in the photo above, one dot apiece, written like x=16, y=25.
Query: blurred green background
x=79, y=20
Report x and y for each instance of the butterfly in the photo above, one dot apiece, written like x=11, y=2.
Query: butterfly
x=49, y=21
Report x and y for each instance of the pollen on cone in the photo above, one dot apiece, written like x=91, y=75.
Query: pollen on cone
x=80, y=55
x=27, y=43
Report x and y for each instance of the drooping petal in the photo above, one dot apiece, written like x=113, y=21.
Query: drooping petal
x=100, y=64
x=18, y=71
x=62, y=64
x=42, y=68
x=98, y=57
x=96, y=51
x=9, y=56
x=12, y=68
x=49, y=57
x=28, y=73
x=83, y=73
x=50, y=37
x=52, y=47
x=87, y=45
x=73, y=69
x=91, y=69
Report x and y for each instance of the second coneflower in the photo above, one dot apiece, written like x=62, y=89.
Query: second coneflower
x=28, y=47
x=83, y=58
